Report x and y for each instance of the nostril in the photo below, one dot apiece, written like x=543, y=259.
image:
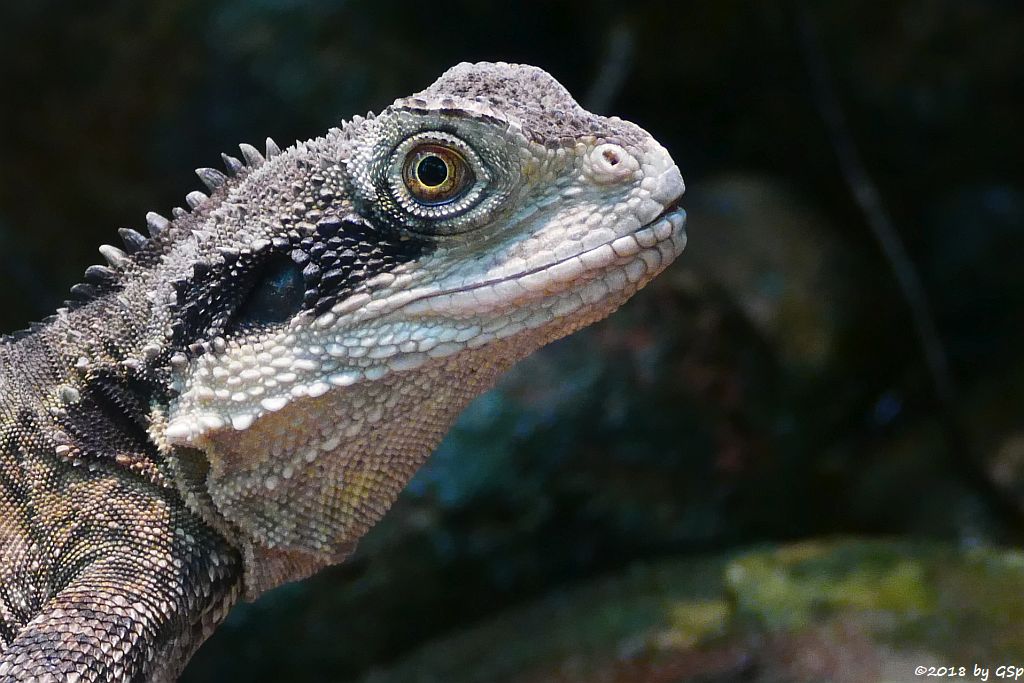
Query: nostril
x=611, y=163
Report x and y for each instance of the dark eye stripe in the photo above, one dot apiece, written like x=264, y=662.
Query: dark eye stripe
x=312, y=272
x=347, y=251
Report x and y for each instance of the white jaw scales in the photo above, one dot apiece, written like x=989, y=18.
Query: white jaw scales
x=583, y=279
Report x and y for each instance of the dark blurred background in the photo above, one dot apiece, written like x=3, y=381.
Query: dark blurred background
x=815, y=364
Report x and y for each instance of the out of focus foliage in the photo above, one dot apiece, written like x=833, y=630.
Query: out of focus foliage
x=850, y=612
x=768, y=387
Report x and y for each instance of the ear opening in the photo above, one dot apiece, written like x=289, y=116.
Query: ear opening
x=275, y=297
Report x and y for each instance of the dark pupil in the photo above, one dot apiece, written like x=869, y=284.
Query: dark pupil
x=432, y=171
x=276, y=295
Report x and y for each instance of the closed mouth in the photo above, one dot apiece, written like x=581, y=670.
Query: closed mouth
x=671, y=207
x=642, y=253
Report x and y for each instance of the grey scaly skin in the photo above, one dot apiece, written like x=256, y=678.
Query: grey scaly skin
x=236, y=399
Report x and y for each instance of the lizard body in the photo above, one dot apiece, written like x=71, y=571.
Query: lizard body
x=234, y=400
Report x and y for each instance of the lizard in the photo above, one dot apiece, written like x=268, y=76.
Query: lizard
x=236, y=397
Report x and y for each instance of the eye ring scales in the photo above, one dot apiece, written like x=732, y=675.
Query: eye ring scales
x=436, y=181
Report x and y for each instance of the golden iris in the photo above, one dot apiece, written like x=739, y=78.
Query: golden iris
x=435, y=174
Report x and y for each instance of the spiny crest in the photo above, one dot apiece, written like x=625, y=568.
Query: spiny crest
x=351, y=127
x=102, y=279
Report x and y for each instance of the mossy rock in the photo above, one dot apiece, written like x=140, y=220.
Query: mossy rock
x=857, y=611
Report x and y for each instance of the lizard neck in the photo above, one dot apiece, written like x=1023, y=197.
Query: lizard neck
x=74, y=383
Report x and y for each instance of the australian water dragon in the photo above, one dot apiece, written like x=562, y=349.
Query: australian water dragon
x=238, y=396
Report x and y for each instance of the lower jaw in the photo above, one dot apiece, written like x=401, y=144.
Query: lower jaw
x=639, y=255
x=552, y=306
x=623, y=265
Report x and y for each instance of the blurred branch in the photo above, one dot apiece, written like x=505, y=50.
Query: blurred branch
x=615, y=66
x=865, y=193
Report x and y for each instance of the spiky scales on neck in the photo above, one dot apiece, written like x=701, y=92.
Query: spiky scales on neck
x=284, y=355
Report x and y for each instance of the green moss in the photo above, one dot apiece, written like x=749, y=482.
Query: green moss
x=691, y=622
x=788, y=589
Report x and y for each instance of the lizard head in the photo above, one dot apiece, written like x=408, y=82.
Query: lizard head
x=337, y=305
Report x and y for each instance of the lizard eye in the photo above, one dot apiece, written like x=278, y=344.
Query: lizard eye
x=276, y=296
x=435, y=174
x=434, y=182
